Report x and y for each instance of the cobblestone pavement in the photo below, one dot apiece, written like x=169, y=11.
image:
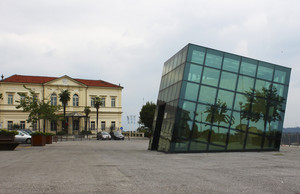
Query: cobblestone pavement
x=128, y=167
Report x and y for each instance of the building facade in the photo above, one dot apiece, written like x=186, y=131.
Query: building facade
x=82, y=94
x=211, y=100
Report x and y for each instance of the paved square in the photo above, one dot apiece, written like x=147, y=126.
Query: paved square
x=128, y=167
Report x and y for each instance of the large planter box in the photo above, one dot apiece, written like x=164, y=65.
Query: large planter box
x=7, y=138
x=48, y=139
x=8, y=145
x=38, y=140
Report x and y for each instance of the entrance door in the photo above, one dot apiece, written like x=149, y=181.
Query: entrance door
x=159, y=121
x=76, y=125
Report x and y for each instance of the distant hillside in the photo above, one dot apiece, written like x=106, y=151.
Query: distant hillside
x=291, y=130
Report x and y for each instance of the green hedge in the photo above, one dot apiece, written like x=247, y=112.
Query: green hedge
x=6, y=132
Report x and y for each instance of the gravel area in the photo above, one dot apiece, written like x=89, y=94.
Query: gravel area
x=128, y=167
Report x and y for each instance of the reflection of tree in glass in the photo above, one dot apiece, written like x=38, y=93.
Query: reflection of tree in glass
x=266, y=105
x=217, y=113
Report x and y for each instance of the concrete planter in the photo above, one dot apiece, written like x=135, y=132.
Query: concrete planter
x=7, y=138
x=7, y=142
x=48, y=139
x=38, y=140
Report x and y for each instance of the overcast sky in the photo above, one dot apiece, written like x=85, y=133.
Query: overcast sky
x=127, y=42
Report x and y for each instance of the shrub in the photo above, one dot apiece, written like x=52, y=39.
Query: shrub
x=49, y=134
x=61, y=133
x=6, y=132
x=85, y=132
x=37, y=133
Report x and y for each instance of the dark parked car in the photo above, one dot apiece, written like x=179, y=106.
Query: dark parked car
x=117, y=135
x=103, y=135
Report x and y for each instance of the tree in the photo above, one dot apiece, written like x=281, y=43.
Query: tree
x=266, y=105
x=97, y=105
x=37, y=109
x=64, y=97
x=218, y=113
x=29, y=104
x=147, y=115
x=87, y=111
x=47, y=112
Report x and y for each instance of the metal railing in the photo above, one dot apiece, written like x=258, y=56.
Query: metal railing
x=290, y=139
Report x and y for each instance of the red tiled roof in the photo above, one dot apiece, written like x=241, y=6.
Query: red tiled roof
x=42, y=80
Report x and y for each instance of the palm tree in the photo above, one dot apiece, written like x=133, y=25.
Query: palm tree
x=218, y=113
x=97, y=104
x=64, y=97
x=87, y=111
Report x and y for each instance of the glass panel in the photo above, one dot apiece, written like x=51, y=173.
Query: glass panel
x=240, y=102
x=218, y=136
x=227, y=97
x=281, y=90
x=180, y=72
x=265, y=71
x=215, y=148
x=184, y=52
x=197, y=146
x=236, y=140
x=182, y=132
x=196, y=54
x=231, y=62
x=202, y=114
x=207, y=95
x=181, y=146
x=238, y=121
x=245, y=84
x=253, y=141
x=268, y=143
x=280, y=76
x=200, y=132
x=248, y=67
x=179, y=59
x=256, y=126
x=228, y=80
x=274, y=127
x=213, y=58
x=221, y=116
x=190, y=91
x=210, y=76
x=260, y=84
x=193, y=72
x=188, y=110
x=273, y=142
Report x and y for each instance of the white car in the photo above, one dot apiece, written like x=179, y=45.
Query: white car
x=23, y=137
x=103, y=135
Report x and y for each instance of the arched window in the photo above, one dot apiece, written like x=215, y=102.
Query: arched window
x=75, y=100
x=53, y=99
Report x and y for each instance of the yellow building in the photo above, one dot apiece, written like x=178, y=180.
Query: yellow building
x=82, y=94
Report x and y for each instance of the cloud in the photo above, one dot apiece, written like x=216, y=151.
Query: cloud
x=127, y=42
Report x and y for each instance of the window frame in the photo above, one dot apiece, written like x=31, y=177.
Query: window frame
x=10, y=99
x=53, y=99
x=75, y=100
x=113, y=102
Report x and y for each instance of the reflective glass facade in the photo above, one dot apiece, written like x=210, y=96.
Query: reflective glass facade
x=216, y=101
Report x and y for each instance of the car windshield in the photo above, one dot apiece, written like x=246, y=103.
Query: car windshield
x=117, y=133
x=104, y=133
x=25, y=132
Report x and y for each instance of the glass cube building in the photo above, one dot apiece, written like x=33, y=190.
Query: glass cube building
x=211, y=101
